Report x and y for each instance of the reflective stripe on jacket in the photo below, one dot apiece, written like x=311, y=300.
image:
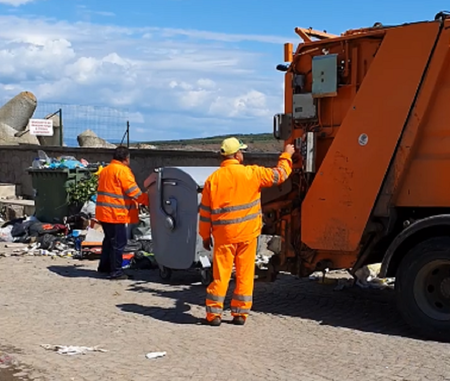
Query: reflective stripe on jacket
x=230, y=209
x=118, y=195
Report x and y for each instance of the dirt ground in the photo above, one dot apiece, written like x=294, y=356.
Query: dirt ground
x=299, y=330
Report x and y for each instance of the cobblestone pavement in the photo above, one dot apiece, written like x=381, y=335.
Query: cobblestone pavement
x=299, y=330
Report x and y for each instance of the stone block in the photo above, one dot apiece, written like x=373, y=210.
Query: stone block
x=7, y=191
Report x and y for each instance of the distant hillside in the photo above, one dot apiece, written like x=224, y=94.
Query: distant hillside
x=255, y=142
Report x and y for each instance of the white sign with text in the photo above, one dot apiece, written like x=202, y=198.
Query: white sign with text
x=41, y=127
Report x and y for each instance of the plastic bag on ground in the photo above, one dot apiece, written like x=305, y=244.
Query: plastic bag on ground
x=70, y=350
x=88, y=209
x=5, y=234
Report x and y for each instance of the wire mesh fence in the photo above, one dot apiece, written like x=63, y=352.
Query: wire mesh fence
x=110, y=124
x=107, y=123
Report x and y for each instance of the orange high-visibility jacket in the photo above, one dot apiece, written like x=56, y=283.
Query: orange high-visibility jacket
x=230, y=209
x=118, y=195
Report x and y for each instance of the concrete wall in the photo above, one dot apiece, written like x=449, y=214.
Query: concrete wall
x=14, y=160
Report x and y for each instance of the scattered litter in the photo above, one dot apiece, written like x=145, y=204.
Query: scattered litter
x=367, y=274
x=71, y=350
x=36, y=250
x=93, y=237
x=5, y=234
x=6, y=360
x=268, y=245
x=321, y=277
x=367, y=277
x=344, y=283
x=379, y=283
x=89, y=208
x=142, y=231
x=14, y=245
x=155, y=355
x=317, y=275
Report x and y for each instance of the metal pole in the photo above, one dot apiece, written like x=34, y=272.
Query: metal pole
x=128, y=134
x=61, y=143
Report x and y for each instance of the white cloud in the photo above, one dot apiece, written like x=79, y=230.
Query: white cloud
x=104, y=13
x=86, y=12
x=15, y=3
x=224, y=37
x=187, y=82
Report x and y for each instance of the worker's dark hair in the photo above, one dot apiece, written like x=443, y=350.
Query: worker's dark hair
x=121, y=153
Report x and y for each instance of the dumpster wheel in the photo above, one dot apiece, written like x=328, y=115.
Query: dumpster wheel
x=206, y=276
x=165, y=273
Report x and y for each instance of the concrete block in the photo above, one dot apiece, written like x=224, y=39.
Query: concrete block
x=8, y=190
x=17, y=208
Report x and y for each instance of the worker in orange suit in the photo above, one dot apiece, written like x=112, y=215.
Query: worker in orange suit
x=118, y=199
x=230, y=212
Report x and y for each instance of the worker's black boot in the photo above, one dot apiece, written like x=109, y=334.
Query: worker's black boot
x=238, y=320
x=215, y=322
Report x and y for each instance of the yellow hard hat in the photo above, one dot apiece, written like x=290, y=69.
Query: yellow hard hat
x=231, y=145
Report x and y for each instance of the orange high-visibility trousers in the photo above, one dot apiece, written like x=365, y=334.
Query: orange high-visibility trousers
x=243, y=255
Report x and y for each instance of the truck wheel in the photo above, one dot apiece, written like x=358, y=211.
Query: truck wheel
x=423, y=288
x=165, y=273
x=206, y=277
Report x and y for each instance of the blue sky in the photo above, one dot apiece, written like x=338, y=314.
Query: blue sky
x=180, y=68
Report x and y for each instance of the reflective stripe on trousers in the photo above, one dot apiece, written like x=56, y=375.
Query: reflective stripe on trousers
x=243, y=256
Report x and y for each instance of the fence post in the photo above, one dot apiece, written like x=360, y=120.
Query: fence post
x=128, y=134
x=61, y=139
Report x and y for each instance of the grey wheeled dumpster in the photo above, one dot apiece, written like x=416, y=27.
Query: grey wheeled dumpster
x=175, y=196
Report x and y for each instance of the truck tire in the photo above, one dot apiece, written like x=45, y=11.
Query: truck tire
x=423, y=288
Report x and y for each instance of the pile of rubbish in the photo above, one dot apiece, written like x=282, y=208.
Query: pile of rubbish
x=31, y=231
x=78, y=235
x=43, y=161
x=30, y=237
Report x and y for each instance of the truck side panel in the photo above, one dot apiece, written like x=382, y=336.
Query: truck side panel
x=426, y=183
x=415, y=176
x=339, y=202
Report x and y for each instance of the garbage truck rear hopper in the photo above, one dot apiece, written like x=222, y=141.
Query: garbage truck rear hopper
x=368, y=113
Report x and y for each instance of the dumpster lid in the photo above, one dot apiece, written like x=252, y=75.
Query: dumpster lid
x=198, y=174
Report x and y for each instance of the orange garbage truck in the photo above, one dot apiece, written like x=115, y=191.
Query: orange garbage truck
x=367, y=112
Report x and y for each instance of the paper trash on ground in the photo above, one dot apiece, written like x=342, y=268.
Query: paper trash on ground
x=155, y=355
x=94, y=235
x=71, y=350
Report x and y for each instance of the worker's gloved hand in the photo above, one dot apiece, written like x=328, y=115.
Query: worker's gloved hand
x=290, y=149
x=207, y=244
